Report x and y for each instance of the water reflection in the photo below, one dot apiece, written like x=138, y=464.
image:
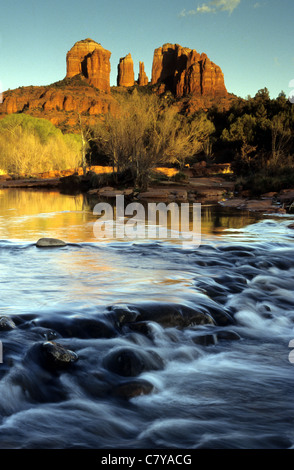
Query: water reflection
x=29, y=215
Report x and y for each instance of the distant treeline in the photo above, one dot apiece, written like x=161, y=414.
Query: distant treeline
x=256, y=136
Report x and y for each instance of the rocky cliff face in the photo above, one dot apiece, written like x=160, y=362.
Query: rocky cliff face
x=61, y=103
x=184, y=71
x=180, y=70
x=125, y=75
x=142, y=77
x=92, y=61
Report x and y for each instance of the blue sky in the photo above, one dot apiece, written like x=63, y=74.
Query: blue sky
x=252, y=41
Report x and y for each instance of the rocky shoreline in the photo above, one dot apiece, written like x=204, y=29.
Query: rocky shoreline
x=203, y=189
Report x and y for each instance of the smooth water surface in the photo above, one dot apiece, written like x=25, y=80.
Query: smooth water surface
x=178, y=347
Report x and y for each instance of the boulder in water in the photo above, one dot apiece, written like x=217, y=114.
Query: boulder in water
x=6, y=323
x=173, y=315
x=49, y=242
x=133, y=389
x=130, y=362
x=57, y=355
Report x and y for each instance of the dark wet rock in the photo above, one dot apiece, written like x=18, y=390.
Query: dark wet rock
x=233, y=283
x=169, y=315
x=237, y=248
x=57, y=355
x=228, y=336
x=130, y=362
x=79, y=327
x=133, y=389
x=50, y=243
x=141, y=327
x=122, y=314
x=45, y=333
x=212, y=288
x=204, y=340
x=6, y=323
x=24, y=320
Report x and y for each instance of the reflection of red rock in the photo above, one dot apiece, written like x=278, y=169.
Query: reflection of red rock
x=183, y=71
x=92, y=61
x=125, y=76
x=142, y=78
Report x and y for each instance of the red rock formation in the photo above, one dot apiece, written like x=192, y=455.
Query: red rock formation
x=164, y=65
x=60, y=103
x=142, y=77
x=184, y=71
x=76, y=57
x=92, y=61
x=125, y=75
x=212, y=78
x=69, y=103
x=53, y=100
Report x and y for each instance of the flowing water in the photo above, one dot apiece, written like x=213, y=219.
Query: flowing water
x=171, y=346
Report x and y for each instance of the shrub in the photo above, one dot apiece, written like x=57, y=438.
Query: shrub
x=31, y=145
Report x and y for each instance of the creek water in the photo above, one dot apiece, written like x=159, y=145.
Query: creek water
x=176, y=347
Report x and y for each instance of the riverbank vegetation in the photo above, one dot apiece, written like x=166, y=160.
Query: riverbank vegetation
x=146, y=133
x=30, y=145
x=255, y=136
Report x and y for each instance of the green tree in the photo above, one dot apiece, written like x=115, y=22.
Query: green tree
x=241, y=131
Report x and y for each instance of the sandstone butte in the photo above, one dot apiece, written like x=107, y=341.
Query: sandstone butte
x=125, y=72
x=86, y=87
x=91, y=60
x=184, y=71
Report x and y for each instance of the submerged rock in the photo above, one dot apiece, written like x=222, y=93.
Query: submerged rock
x=204, y=340
x=133, y=389
x=228, y=336
x=79, y=327
x=129, y=362
x=50, y=242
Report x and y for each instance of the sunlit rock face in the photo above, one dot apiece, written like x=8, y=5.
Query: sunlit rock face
x=184, y=71
x=92, y=61
x=142, y=77
x=125, y=76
